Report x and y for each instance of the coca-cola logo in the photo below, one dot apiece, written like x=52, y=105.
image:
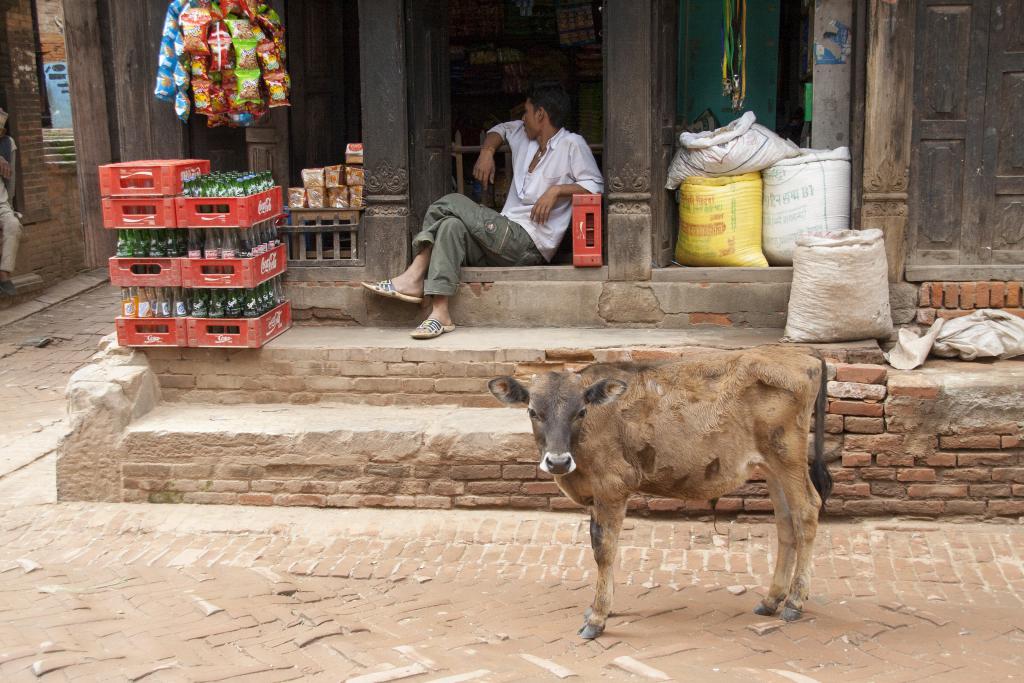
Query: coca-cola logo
x=152, y=339
x=223, y=339
x=265, y=206
x=191, y=173
x=269, y=263
x=275, y=322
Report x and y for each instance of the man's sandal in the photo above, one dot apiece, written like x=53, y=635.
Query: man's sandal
x=430, y=328
x=387, y=288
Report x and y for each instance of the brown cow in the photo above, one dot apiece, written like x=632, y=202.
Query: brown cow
x=691, y=429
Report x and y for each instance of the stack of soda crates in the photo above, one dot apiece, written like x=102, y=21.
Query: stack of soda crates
x=209, y=273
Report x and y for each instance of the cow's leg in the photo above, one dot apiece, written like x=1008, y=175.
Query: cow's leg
x=805, y=502
x=605, y=525
x=785, y=556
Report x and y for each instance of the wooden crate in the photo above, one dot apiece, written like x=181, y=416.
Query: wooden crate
x=323, y=237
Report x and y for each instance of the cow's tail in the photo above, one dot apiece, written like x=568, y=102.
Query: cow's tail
x=820, y=475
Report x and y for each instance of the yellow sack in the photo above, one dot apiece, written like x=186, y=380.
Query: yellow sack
x=720, y=222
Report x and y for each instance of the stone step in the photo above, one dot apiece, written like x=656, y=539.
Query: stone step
x=347, y=456
x=383, y=366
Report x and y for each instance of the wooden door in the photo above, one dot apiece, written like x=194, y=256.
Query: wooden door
x=663, y=207
x=967, y=169
x=426, y=34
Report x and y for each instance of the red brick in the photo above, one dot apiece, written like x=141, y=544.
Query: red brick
x=924, y=296
x=481, y=501
x=928, y=508
x=1019, y=312
x=913, y=391
x=758, y=505
x=856, y=390
x=937, y=490
x=858, y=490
x=433, y=502
x=311, y=499
x=972, y=441
x=1017, y=490
x=446, y=488
x=878, y=473
x=256, y=499
x=916, y=474
x=935, y=289
x=981, y=294
x=996, y=294
x=996, y=459
x=1013, y=294
x=990, y=490
x=860, y=372
x=1011, y=442
x=941, y=460
x=965, y=507
x=874, y=443
x=1006, y=507
x=665, y=504
x=894, y=459
x=856, y=408
x=968, y=474
x=719, y=319
x=845, y=474
x=476, y=471
x=492, y=487
x=925, y=316
x=864, y=507
x=541, y=488
x=966, y=295
x=856, y=459
x=729, y=504
x=528, y=502
x=865, y=425
x=519, y=472
x=1014, y=474
x=833, y=424
x=208, y=498
x=950, y=315
x=950, y=295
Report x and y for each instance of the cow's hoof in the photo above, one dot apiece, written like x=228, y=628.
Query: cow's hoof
x=791, y=613
x=590, y=631
x=764, y=610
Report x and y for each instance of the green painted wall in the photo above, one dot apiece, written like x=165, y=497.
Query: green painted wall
x=700, y=61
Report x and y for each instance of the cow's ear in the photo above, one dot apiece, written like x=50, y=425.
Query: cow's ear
x=604, y=391
x=508, y=390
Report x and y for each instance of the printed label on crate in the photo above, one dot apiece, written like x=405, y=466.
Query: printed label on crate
x=275, y=322
x=223, y=339
x=265, y=206
x=152, y=339
x=191, y=173
x=268, y=263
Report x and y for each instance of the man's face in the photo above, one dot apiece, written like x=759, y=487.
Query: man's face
x=532, y=119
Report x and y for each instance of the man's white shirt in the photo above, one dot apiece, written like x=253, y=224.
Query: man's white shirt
x=567, y=160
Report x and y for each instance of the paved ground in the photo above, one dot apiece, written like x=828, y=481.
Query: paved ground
x=186, y=593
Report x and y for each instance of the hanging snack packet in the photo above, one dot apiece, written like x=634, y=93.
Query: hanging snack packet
x=181, y=76
x=202, y=95
x=231, y=7
x=242, y=29
x=200, y=67
x=245, y=54
x=355, y=197
x=269, y=58
x=315, y=197
x=242, y=119
x=277, y=92
x=355, y=176
x=296, y=197
x=333, y=176
x=182, y=106
x=270, y=22
x=248, y=88
x=223, y=54
x=313, y=177
x=194, y=24
x=337, y=197
x=218, y=120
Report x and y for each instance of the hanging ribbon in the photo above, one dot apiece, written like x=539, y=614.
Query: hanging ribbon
x=734, y=51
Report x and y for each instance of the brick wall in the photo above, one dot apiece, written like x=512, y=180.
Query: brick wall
x=954, y=299
x=50, y=15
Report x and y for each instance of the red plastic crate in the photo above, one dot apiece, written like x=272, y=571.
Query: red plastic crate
x=586, y=230
x=139, y=212
x=125, y=272
x=251, y=333
x=152, y=331
x=229, y=212
x=150, y=177
x=234, y=272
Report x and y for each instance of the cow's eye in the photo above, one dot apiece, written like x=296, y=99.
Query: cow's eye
x=582, y=414
x=532, y=413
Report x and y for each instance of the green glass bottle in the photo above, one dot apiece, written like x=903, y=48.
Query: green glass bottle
x=123, y=245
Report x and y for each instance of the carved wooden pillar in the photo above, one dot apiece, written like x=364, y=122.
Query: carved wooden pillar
x=888, y=116
x=629, y=147
x=384, y=80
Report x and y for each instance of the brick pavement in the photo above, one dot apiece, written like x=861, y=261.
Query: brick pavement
x=118, y=592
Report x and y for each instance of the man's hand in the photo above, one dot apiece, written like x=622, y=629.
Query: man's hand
x=483, y=169
x=542, y=209
x=5, y=169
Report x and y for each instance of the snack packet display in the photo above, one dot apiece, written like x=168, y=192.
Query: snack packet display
x=313, y=178
x=333, y=176
x=194, y=24
x=221, y=50
x=202, y=96
x=270, y=60
x=248, y=88
x=245, y=54
x=297, y=197
x=355, y=197
x=277, y=91
x=337, y=197
x=355, y=175
x=315, y=197
x=242, y=29
x=200, y=67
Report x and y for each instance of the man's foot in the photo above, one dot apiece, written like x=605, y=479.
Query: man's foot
x=430, y=328
x=387, y=288
x=7, y=287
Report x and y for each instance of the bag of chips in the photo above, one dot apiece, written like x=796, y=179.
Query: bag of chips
x=355, y=176
x=270, y=60
x=313, y=177
x=194, y=23
x=245, y=54
x=354, y=153
x=333, y=176
x=270, y=22
x=277, y=91
x=355, y=197
x=200, y=67
x=231, y=7
x=337, y=197
x=201, y=95
x=182, y=106
x=247, y=88
x=242, y=29
x=221, y=50
x=241, y=119
x=315, y=197
x=181, y=76
x=297, y=197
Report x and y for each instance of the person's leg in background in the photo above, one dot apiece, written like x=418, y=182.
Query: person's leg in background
x=11, y=229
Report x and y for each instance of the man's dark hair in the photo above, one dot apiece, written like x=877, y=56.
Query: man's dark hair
x=552, y=98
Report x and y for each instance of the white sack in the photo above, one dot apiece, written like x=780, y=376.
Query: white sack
x=840, y=288
x=806, y=193
x=734, y=149
x=986, y=333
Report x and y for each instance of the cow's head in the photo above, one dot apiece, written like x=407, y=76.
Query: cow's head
x=557, y=403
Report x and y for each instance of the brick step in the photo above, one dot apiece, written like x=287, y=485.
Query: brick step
x=385, y=367
x=344, y=456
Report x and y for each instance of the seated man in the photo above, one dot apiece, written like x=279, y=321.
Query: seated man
x=550, y=164
x=10, y=226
